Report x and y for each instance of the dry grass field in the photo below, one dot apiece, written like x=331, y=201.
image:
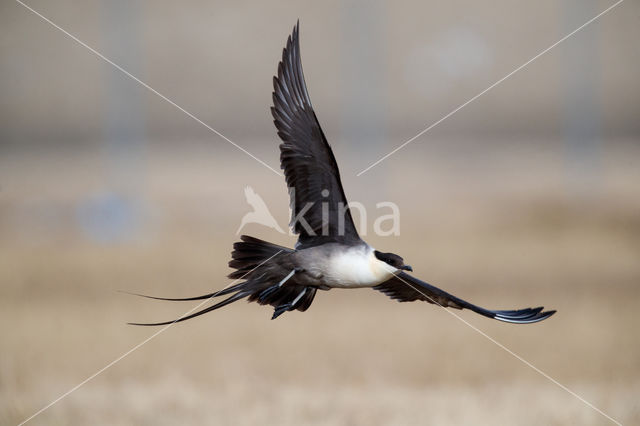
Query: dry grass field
x=502, y=238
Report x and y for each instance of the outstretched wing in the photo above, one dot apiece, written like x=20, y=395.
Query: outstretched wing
x=405, y=288
x=309, y=165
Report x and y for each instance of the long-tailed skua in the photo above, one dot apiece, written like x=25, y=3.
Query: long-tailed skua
x=329, y=252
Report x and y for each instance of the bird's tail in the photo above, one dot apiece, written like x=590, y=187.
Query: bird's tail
x=249, y=258
x=250, y=253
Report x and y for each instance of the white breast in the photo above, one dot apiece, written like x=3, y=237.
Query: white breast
x=356, y=267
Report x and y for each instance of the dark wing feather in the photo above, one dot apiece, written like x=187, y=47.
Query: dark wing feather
x=306, y=158
x=405, y=288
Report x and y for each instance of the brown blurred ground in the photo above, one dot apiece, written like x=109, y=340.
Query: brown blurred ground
x=529, y=196
x=355, y=357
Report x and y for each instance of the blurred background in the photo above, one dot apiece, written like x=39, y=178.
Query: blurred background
x=528, y=196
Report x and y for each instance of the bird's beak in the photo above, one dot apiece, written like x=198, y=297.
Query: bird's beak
x=407, y=268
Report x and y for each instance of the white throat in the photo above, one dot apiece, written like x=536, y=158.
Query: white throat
x=357, y=267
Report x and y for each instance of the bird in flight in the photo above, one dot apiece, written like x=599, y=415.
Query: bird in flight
x=329, y=252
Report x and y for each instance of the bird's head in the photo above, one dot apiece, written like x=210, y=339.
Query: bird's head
x=392, y=260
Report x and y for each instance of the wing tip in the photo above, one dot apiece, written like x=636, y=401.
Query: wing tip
x=296, y=29
x=523, y=316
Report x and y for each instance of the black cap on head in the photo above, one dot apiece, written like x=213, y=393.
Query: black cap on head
x=392, y=260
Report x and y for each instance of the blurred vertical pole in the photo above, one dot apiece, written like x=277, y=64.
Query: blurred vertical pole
x=113, y=215
x=582, y=118
x=364, y=94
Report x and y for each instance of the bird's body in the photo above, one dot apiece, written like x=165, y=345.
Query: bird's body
x=329, y=252
x=336, y=265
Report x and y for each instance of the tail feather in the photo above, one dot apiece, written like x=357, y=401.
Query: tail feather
x=250, y=259
x=307, y=299
x=222, y=292
x=237, y=296
x=249, y=253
